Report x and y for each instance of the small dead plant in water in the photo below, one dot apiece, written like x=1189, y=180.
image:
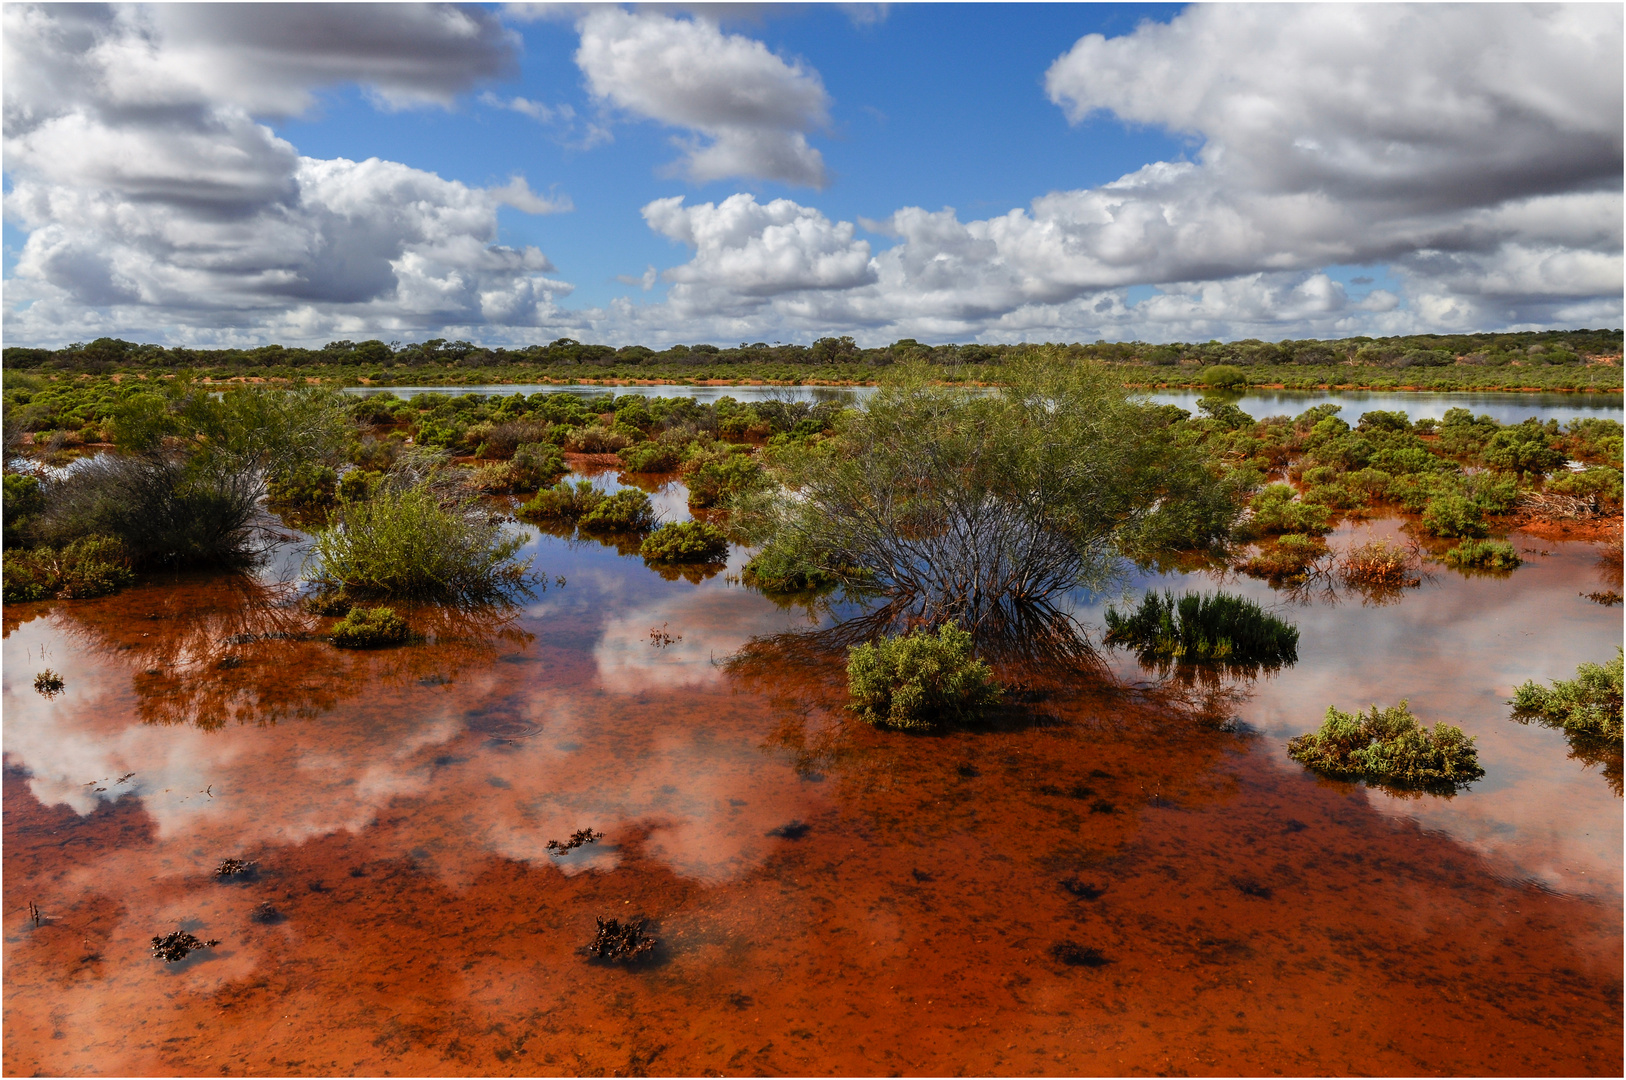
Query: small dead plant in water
x=233, y=868
x=577, y=839
x=173, y=948
x=1379, y=564
x=49, y=683
x=616, y=940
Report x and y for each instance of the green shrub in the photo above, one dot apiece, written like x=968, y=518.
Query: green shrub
x=87, y=567
x=777, y=569
x=1599, y=486
x=920, y=681
x=686, y=542
x=537, y=465
x=24, y=500
x=357, y=484
x=1224, y=375
x=718, y=478
x=1490, y=554
x=308, y=487
x=1588, y=705
x=1453, y=515
x=628, y=510
x=1292, y=557
x=1389, y=746
x=651, y=457
x=406, y=542
x=1275, y=510
x=1198, y=627
x=563, y=502
x=369, y=628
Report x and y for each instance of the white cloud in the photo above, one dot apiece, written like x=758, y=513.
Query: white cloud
x=156, y=203
x=1475, y=151
x=753, y=107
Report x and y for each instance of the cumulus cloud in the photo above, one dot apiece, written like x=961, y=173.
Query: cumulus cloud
x=748, y=109
x=1476, y=151
x=154, y=199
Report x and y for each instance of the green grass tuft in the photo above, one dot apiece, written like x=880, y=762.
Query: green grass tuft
x=920, y=681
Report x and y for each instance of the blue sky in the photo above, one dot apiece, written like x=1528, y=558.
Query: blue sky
x=947, y=172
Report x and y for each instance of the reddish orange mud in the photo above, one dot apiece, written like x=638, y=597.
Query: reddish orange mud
x=827, y=898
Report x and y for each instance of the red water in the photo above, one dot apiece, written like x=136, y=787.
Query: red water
x=827, y=898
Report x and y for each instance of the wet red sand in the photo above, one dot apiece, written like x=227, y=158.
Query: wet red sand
x=828, y=899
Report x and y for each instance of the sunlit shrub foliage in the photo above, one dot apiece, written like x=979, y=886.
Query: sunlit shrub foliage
x=88, y=567
x=407, y=542
x=1589, y=704
x=686, y=542
x=920, y=681
x=369, y=628
x=1389, y=746
x=1486, y=554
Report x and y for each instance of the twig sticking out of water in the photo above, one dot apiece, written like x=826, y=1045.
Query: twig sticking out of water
x=577, y=839
x=178, y=946
x=615, y=941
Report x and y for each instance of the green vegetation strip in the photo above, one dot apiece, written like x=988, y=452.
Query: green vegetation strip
x=1389, y=746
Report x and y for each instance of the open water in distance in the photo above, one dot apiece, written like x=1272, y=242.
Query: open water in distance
x=1097, y=886
x=1504, y=407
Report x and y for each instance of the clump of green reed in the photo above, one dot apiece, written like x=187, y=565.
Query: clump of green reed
x=369, y=628
x=88, y=567
x=1484, y=554
x=1389, y=746
x=1195, y=627
x=920, y=681
x=412, y=542
x=686, y=542
x=1589, y=704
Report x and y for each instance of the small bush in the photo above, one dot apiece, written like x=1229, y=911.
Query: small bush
x=563, y=502
x=357, y=484
x=1488, y=554
x=652, y=457
x=718, y=478
x=369, y=628
x=1389, y=746
x=310, y=487
x=1197, y=627
x=1376, y=562
x=776, y=569
x=596, y=440
x=1224, y=375
x=1588, y=705
x=1293, y=556
x=24, y=499
x=920, y=681
x=686, y=542
x=1453, y=515
x=86, y=568
x=405, y=542
x=1275, y=510
x=537, y=465
x=628, y=510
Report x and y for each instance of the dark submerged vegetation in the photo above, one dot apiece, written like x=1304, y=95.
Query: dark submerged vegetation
x=1389, y=747
x=174, y=947
x=920, y=681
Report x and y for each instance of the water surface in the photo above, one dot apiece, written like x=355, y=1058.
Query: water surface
x=1095, y=884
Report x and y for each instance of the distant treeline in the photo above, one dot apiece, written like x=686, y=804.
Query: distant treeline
x=1539, y=348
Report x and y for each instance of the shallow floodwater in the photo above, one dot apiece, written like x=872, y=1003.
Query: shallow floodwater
x=1095, y=884
x=1506, y=408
